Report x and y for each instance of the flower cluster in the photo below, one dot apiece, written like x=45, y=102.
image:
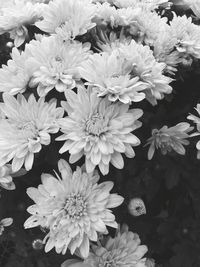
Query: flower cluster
x=80, y=76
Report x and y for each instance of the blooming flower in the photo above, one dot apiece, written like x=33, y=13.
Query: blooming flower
x=168, y=139
x=5, y=223
x=110, y=74
x=99, y=130
x=122, y=250
x=15, y=17
x=74, y=209
x=56, y=64
x=187, y=35
x=27, y=126
x=68, y=18
x=148, y=70
x=6, y=175
x=108, y=14
x=196, y=120
x=15, y=76
x=136, y=207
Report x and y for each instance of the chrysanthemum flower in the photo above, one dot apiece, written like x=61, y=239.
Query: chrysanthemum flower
x=187, y=35
x=147, y=70
x=74, y=209
x=27, y=126
x=16, y=17
x=196, y=120
x=98, y=130
x=147, y=26
x=164, y=50
x=122, y=250
x=5, y=223
x=111, y=74
x=168, y=139
x=15, y=76
x=6, y=175
x=108, y=14
x=68, y=18
x=56, y=64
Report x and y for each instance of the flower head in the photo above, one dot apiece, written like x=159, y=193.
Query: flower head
x=187, y=35
x=147, y=70
x=74, y=209
x=98, y=130
x=15, y=76
x=5, y=223
x=122, y=250
x=56, y=64
x=168, y=139
x=27, y=126
x=68, y=18
x=111, y=74
x=15, y=17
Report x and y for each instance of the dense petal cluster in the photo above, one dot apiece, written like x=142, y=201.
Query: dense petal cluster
x=16, y=16
x=74, y=208
x=111, y=74
x=168, y=139
x=124, y=249
x=98, y=130
x=27, y=126
x=68, y=18
x=56, y=64
x=187, y=35
x=15, y=76
x=126, y=74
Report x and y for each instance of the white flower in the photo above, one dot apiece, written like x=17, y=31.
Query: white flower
x=122, y=250
x=187, y=35
x=147, y=70
x=74, y=209
x=68, y=18
x=27, y=126
x=5, y=223
x=56, y=64
x=164, y=50
x=147, y=26
x=136, y=207
x=98, y=130
x=168, y=139
x=6, y=175
x=111, y=74
x=15, y=76
x=15, y=17
x=107, y=14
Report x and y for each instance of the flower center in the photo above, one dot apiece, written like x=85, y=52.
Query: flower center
x=28, y=128
x=75, y=206
x=95, y=124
